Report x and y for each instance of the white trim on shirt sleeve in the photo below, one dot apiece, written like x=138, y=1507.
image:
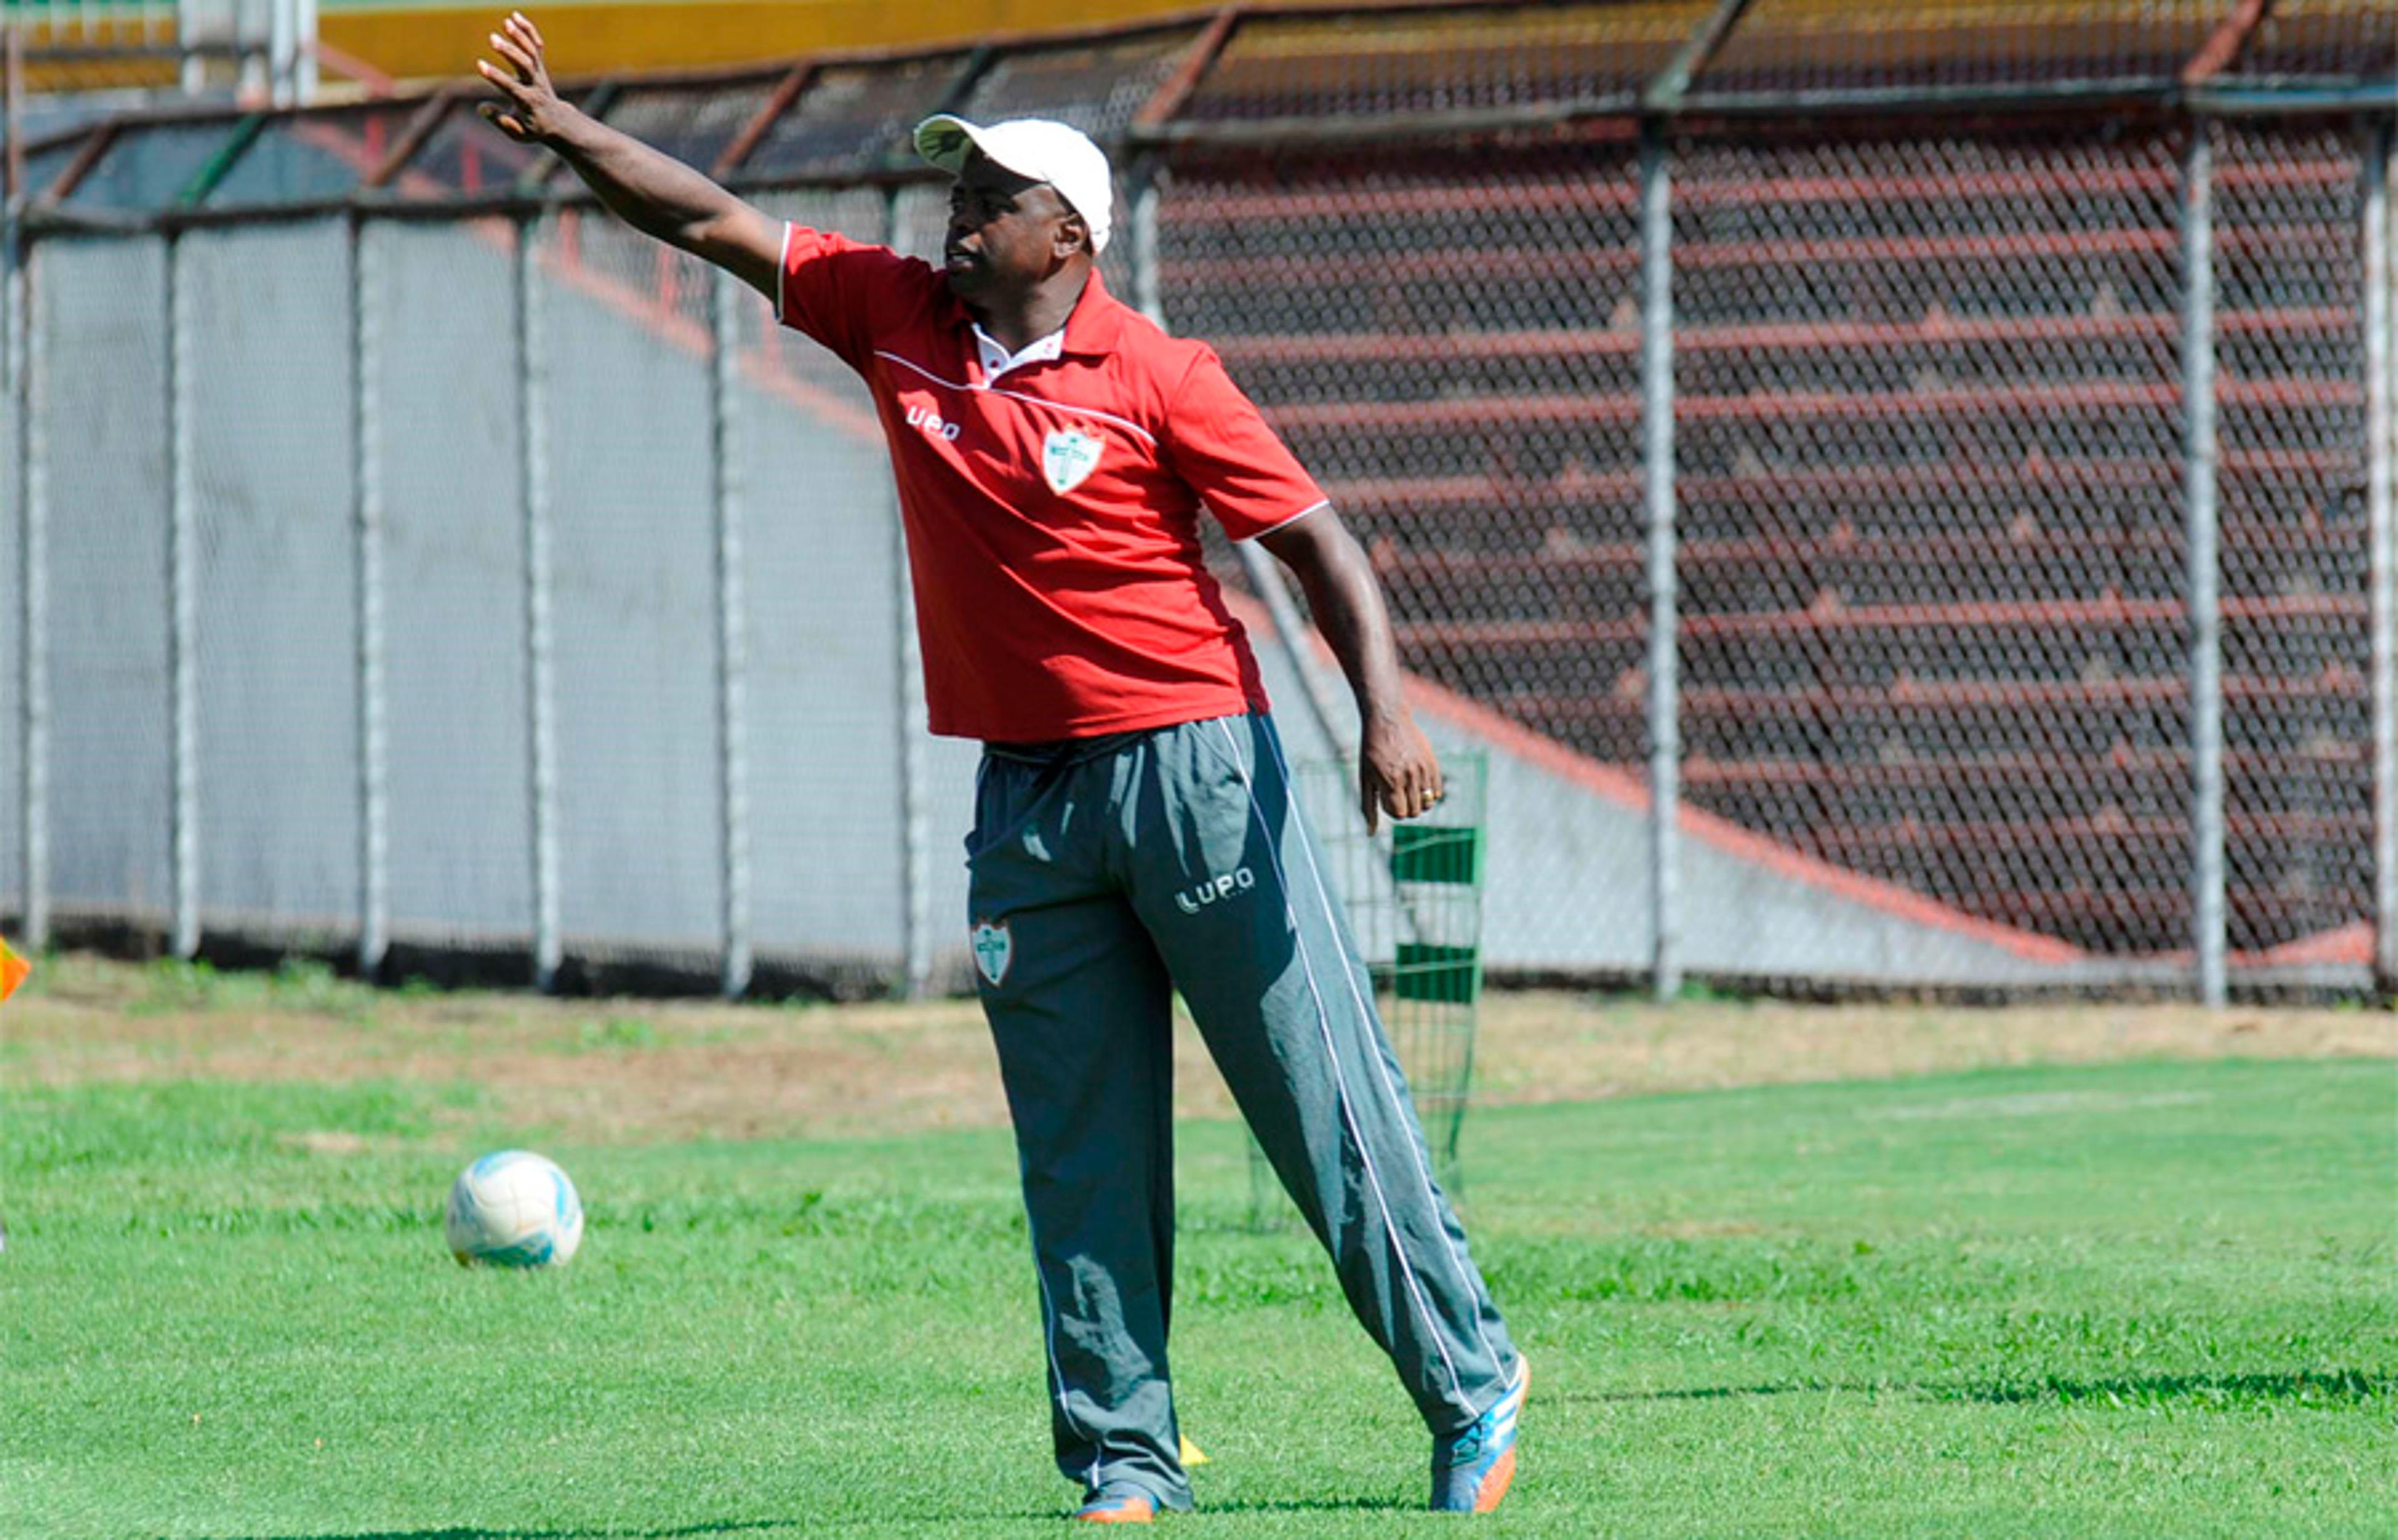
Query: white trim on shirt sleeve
x=1285, y=523
x=782, y=265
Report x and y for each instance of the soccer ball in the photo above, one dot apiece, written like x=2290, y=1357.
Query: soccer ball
x=513, y=1209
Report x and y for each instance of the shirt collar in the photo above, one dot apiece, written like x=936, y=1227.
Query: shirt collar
x=998, y=360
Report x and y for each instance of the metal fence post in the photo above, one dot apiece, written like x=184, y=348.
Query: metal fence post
x=182, y=597
x=33, y=504
x=1142, y=188
x=2381, y=524
x=732, y=630
x=2205, y=607
x=189, y=28
x=366, y=447
x=303, y=66
x=14, y=254
x=532, y=402
x=282, y=49
x=915, y=835
x=1665, y=625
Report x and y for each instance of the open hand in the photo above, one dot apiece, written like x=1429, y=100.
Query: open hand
x=1396, y=770
x=533, y=109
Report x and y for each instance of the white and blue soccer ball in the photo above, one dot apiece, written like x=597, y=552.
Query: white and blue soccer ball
x=513, y=1209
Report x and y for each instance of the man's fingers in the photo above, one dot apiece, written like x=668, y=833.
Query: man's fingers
x=1415, y=790
x=507, y=83
x=530, y=31
x=498, y=118
x=1397, y=770
x=520, y=34
x=517, y=54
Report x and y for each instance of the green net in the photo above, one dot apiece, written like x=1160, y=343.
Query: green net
x=1413, y=895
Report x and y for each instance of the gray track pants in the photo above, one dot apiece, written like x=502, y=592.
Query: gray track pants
x=1102, y=879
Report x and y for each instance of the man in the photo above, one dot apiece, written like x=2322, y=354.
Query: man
x=1134, y=831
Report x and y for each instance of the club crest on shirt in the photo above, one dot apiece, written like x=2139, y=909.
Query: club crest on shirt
x=1068, y=457
x=993, y=950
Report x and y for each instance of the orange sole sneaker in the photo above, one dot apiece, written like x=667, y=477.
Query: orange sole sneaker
x=1121, y=1504
x=1472, y=1470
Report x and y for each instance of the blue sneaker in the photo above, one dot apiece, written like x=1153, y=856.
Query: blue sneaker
x=1470, y=1470
x=1117, y=1503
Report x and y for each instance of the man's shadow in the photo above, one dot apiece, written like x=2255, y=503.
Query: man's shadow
x=811, y=1525
x=2317, y=1386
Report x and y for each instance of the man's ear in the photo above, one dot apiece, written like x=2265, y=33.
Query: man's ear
x=1073, y=234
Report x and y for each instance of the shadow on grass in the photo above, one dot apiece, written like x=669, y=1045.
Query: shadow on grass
x=1321, y=1504
x=2301, y=1385
x=2304, y=1385
x=697, y=1532
x=456, y=1531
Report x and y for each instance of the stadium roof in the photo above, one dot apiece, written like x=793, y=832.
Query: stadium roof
x=1258, y=76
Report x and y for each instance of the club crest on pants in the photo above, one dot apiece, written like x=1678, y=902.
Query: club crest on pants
x=993, y=950
x=1067, y=456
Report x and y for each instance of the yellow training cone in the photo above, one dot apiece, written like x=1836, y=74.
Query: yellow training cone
x=1192, y=1455
x=13, y=970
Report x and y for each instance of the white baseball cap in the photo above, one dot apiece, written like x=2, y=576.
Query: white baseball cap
x=1055, y=152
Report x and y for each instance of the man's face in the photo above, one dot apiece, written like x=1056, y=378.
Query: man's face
x=1005, y=231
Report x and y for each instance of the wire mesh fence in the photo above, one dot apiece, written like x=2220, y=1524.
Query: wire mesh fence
x=455, y=686
x=1931, y=554
x=633, y=579
x=1412, y=893
x=102, y=314
x=826, y=696
x=2295, y=560
x=14, y=802
x=554, y=600
x=1452, y=349
x=272, y=565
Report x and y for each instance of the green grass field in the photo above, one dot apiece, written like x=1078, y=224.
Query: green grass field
x=2137, y=1298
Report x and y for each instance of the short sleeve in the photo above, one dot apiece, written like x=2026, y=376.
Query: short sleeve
x=841, y=291
x=1219, y=445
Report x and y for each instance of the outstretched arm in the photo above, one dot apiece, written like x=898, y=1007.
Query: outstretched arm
x=1396, y=768
x=654, y=193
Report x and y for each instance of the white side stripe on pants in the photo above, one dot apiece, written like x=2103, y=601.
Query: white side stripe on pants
x=1340, y=1080
x=1057, y=1373
x=1423, y=1172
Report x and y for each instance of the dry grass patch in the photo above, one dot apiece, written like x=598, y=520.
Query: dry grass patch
x=642, y=1070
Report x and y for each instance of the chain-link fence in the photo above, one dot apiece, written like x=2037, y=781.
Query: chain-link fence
x=1901, y=504
x=1929, y=431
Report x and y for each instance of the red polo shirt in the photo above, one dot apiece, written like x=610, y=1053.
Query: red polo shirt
x=1053, y=514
